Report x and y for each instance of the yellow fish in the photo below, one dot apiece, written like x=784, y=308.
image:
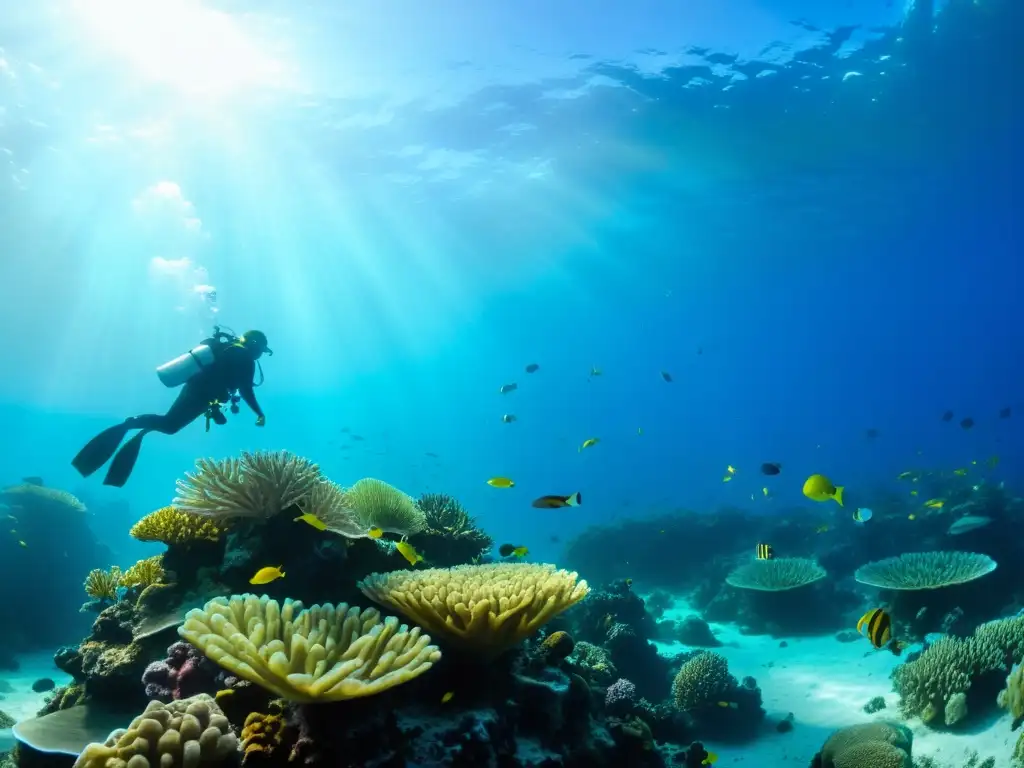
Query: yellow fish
x=960, y=472
x=501, y=482
x=911, y=516
x=22, y=543
x=764, y=491
x=727, y=479
x=913, y=493
x=267, y=575
x=408, y=551
x=375, y=533
x=589, y=442
x=731, y=469
x=447, y=697
x=223, y=693
x=935, y=503
x=313, y=520
x=820, y=488
x=711, y=758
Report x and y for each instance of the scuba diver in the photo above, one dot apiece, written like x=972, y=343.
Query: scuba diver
x=219, y=370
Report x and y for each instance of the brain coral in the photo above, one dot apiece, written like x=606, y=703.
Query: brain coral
x=867, y=745
x=776, y=575
x=188, y=733
x=925, y=570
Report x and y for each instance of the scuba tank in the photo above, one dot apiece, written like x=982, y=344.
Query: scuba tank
x=176, y=372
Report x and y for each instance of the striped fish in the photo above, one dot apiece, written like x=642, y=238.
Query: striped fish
x=877, y=625
x=764, y=552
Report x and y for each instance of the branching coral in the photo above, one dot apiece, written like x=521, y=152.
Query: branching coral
x=40, y=494
x=323, y=653
x=485, y=608
x=776, y=575
x=187, y=733
x=171, y=525
x=379, y=505
x=145, y=573
x=946, y=668
x=102, y=585
x=1006, y=636
x=925, y=570
x=256, y=486
x=702, y=681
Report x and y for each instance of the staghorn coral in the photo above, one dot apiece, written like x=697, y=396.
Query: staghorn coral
x=376, y=504
x=323, y=653
x=187, y=733
x=145, y=573
x=946, y=668
x=484, y=608
x=702, y=681
x=867, y=745
x=52, y=497
x=102, y=585
x=925, y=570
x=777, y=575
x=256, y=486
x=171, y=525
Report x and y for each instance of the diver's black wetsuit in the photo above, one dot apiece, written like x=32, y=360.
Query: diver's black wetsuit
x=233, y=368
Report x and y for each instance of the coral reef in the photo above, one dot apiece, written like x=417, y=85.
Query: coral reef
x=376, y=504
x=925, y=570
x=451, y=536
x=716, y=703
x=191, y=732
x=869, y=745
x=170, y=525
x=484, y=608
x=778, y=575
x=322, y=653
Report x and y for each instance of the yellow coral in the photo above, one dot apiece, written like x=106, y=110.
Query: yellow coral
x=145, y=573
x=171, y=525
x=261, y=734
x=322, y=653
x=487, y=608
x=102, y=585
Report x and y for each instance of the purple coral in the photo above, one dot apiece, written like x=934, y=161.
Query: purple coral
x=184, y=673
x=620, y=696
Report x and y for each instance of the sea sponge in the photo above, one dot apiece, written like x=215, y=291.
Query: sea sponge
x=702, y=681
x=946, y=668
x=255, y=486
x=102, y=585
x=925, y=570
x=557, y=646
x=776, y=575
x=171, y=525
x=145, y=573
x=322, y=653
x=379, y=505
x=188, y=733
x=867, y=745
x=262, y=734
x=484, y=608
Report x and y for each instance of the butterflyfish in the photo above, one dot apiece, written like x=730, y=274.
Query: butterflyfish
x=501, y=482
x=408, y=551
x=267, y=575
x=589, y=443
x=876, y=625
x=511, y=550
x=764, y=552
x=556, y=502
x=820, y=488
x=313, y=520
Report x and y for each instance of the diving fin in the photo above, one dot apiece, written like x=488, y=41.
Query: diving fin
x=98, y=451
x=124, y=461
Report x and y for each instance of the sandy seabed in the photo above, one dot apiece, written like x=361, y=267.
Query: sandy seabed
x=825, y=683
x=21, y=702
